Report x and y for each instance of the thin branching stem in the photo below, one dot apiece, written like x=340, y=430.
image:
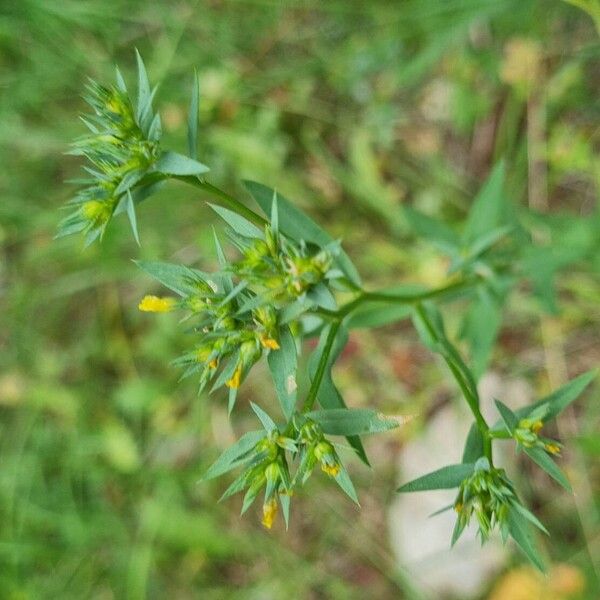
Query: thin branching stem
x=462, y=377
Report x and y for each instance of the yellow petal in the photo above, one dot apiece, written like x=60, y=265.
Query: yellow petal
x=156, y=304
x=235, y=380
x=270, y=509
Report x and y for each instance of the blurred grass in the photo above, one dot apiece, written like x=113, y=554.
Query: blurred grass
x=350, y=108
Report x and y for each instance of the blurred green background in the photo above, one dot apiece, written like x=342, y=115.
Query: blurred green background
x=351, y=109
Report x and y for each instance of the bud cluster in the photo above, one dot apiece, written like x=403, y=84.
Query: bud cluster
x=226, y=334
x=120, y=153
x=488, y=494
x=283, y=269
x=526, y=433
x=268, y=464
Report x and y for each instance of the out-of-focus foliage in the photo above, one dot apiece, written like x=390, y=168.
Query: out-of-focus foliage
x=355, y=110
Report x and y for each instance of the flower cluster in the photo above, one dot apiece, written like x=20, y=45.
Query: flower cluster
x=267, y=464
x=281, y=291
x=282, y=268
x=487, y=494
x=526, y=433
x=121, y=148
x=227, y=333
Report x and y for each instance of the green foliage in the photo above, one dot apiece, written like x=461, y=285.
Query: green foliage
x=288, y=276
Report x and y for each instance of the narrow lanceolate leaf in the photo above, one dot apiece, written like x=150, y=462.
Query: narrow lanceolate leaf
x=521, y=532
x=274, y=214
x=226, y=278
x=473, y=446
x=508, y=416
x=378, y=314
x=443, y=479
x=264, y=418
x=543, y=461
x=295, y=224
x=344, y=481
x=480, y=328
x=172, y=163
x=192, y=133
x=353, y=421
x=144, y=93
x=529, y=516
x=284, y=500
x=328, y=395
x=283, y=364
x=120, y=80
x=433, y=230
x=558, y=400
x=237, y=222
x=132, y=218
x=228, y=460
x=487, y=209
x=178, y=278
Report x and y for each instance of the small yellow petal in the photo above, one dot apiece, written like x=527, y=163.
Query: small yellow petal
x=537, y=426
x=552, y=448
x=156, y=304
x=213, y=363
x=331, y=470
x=270, y=509
x=235, y=380
x=269, y=343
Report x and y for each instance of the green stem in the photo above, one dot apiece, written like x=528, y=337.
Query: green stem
x=462, y=379
x=223, y=198
x=309, y=402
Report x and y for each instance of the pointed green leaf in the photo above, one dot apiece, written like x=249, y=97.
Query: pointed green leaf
x=543, y=461
x=144, y=93
x=228, y=460
x=178, y=278
x=192, y=123
x=529, y=516
x=473, y=446
x=433, y=230
x=172, y=163
x=557, y=401
x=377, y=314
x=285, y=502
x=443, y=479
x=120, y=80
x=328, y=395
x=344, y=481
x=238, y=223
x=283, y=364
x=132, y=218
x=264, y=418
x=295, y=224
x=353, y=421
x=508, y=416
x=274, y=213
x=487, y=208
x=521, y=532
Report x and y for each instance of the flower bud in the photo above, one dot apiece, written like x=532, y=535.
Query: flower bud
x=270, y=508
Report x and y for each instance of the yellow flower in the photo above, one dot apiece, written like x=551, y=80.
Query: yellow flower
x=269, y=343
x=269, y=512
x=537, y=426
x=213, y=363
x=552, y=448
x=333, y=470
x=156, y=304
x=235, y=380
